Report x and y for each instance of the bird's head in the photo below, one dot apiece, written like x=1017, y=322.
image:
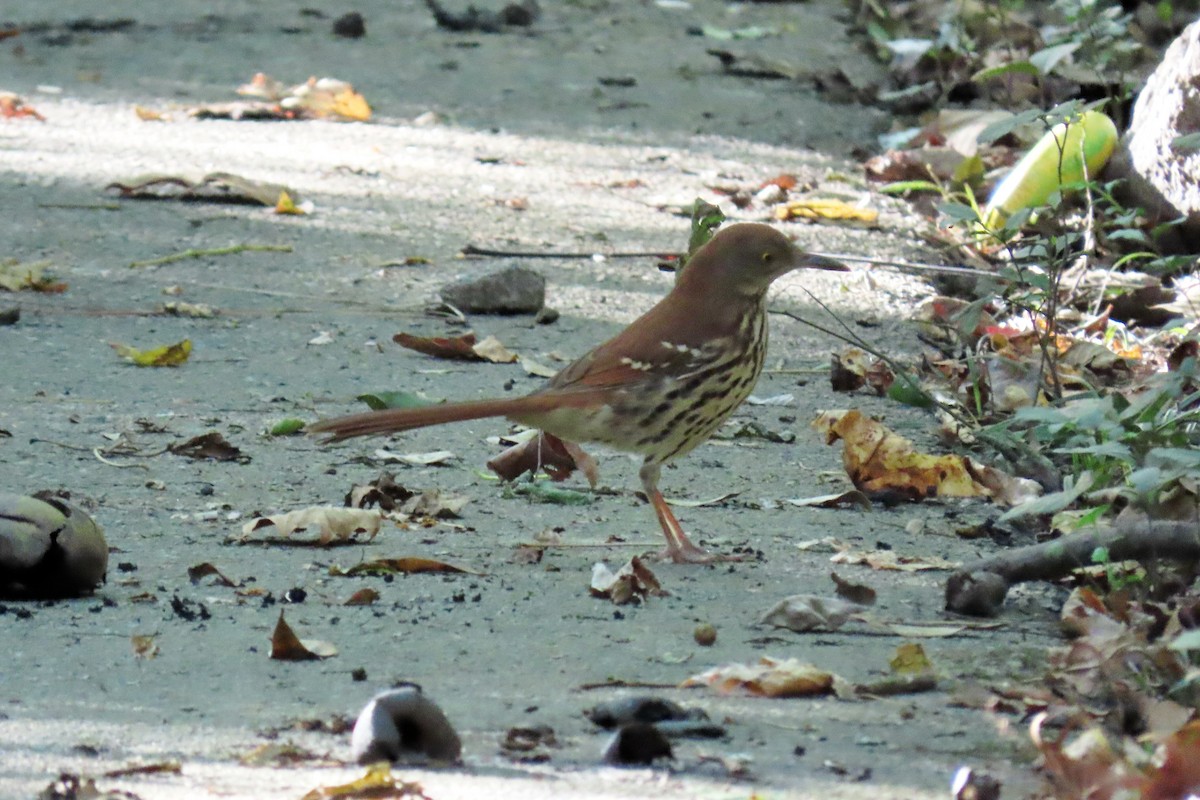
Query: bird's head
x=744, y=259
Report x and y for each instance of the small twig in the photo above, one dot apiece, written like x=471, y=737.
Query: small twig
x=849, y=337
x=617, y=683
x=852, y=337
x=216, y=251
x=98, y=453
x=796, y=370
x=911, y=266
x=472, y=250
x=95, y=450
x=83, y=206
x=586, y=545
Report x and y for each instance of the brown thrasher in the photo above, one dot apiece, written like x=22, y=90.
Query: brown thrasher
x=661, y=386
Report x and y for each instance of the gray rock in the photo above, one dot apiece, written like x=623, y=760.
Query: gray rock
x=404, y=725
x=510, y=290
x=49, y=548
x=1161, y=179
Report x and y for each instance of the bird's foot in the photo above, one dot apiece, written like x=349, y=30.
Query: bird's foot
x=687, y=553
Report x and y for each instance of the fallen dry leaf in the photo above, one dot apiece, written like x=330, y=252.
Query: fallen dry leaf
x=545, y=451
x=435, y=504
x=465, y=347
x=201, y=571
x=878, y=460
x=854, y=368
x=1178, y=775
x=680, y=502
x=332, y=523
x=378, y=782
x=1087, y=765
x=278, y=754
x=850, y=497
x=770, y=677
x=931, y=631
x=150, y=114
x=209, y=446
x=634, y=581
x=403, y=565
x=806, y=612
x=363, y=597
x=536, y=369
x=854, y=592
x=15, y=276
x=383, y=492
x=215, y=187
x=193, y=310
x=144, y=645
x=326, y=98
x=891, y=560
x=436, y=457
x=155, y=768
x=316, y=98
x=169, y=355
x=13, y=106
x=287, y=646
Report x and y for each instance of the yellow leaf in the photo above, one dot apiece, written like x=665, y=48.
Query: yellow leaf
x=286, y=205
x=149, y=114
x=824, y=208
x=170, y=355
x=377, y=782
x=349, y=104
x=910, y=659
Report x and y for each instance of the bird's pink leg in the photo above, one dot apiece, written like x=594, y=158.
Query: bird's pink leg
x=680, y=548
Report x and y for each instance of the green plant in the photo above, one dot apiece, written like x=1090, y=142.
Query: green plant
x=1138, y=448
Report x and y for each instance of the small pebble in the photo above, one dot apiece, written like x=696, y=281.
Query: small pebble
x=350, y=26
x=705, y=635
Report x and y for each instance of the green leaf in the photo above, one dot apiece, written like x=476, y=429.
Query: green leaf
x=1051, y=503
x=546, y=493
x=286, y=427
x=1110, y=449
x=1049, y=58
x=706, y=218
x=909, y=394
x=377, y=401
x=1187, y=143
x=903, y=187
x=969, y=170
x=958, y=212
x=726, y=34
x=1129, y=235
x=1040, y=414
x=1012, y=68
x=1003, y=127
x=1186, y=641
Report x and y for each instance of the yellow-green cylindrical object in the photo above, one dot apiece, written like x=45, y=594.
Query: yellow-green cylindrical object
x=1089, y=140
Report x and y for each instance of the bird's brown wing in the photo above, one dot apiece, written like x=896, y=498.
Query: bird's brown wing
x=662, y=343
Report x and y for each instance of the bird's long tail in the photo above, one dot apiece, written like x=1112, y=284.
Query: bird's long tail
x=393, y=420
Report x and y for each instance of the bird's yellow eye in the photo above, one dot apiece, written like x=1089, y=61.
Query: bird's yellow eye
x=768, y=257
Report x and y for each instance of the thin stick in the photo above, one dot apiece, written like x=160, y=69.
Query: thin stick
x=216, y=251
x=97, y=452
x=83, y=206
x=472, y=250
x=618, y=683
x=913, y=267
